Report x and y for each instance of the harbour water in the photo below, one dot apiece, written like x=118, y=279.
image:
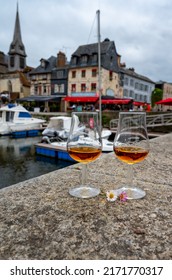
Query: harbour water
x=19, y=162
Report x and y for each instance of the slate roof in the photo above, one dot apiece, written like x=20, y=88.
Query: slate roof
x=109, y=56
x=49, y=65
x=17, y=46
x=133, y=74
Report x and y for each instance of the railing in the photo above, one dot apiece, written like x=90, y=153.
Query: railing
x=151, y=121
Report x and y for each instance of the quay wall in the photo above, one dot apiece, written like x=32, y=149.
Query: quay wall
x=40, y=220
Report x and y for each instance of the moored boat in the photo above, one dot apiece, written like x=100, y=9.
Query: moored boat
x=15, y=119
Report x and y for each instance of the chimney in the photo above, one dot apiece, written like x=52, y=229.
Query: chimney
x=61, y=59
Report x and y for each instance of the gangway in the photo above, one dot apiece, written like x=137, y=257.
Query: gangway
x=151, y=121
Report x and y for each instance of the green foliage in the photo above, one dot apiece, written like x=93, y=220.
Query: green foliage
x=156, y=96
x=105, y=120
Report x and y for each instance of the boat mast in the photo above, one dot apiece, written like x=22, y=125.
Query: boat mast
x=99, y=70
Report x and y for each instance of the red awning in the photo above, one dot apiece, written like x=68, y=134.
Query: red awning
x=137, y=103
x=167, y=101
x=116, y=101
x=76, y=99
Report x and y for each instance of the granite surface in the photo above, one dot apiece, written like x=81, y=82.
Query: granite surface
x=40, y=220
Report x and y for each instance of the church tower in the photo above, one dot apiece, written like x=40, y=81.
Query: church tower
x=17, y=54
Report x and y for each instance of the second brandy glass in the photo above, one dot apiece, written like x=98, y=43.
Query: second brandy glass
x=131, y=145
x=84, y=145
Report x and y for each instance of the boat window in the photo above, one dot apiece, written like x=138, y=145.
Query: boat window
x=9, y=116
x=56, y=124
x=24, y=115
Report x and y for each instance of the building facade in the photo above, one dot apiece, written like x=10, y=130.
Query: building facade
x=136, y=86
x=83, y=76
x=166, y=88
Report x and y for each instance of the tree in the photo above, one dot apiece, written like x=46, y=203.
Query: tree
x=156, y=96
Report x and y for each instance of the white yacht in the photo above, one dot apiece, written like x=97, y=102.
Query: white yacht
x=15, y=118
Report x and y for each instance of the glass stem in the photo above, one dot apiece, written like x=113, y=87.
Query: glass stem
x=130, y=175
x=84, y=175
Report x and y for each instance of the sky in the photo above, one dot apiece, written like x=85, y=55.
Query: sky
x=141, y=30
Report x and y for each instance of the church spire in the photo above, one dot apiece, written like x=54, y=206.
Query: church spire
x=17, y=54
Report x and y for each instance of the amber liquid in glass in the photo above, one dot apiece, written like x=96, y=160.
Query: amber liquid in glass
x=84, y=154
x=130, y=155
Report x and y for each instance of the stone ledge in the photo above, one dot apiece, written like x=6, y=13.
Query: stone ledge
x=40, y=220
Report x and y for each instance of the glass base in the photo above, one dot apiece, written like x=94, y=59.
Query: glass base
x=84, y=191
x=132, y=192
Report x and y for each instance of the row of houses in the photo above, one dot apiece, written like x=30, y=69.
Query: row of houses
x=75, y=82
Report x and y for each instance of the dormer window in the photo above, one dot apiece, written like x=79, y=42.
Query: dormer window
x=94, y=58
x=74, y=60
x=42, y=63
x=84, y=59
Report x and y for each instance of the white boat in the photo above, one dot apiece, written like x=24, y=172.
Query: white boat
x=58, y=126
x=107, y=146
x=15, y=118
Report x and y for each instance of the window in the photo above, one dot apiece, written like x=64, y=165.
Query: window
x=36, y=89
x=22, y=62
x=110, y=75
x=59, y=88
x=59, y=74
x=73, y=74
x=83, y=73
x=44, y=76
x=131, y=82
x=83, y=87
x=126, y=81
x=44, y=89
x=94, y=58
x=131, y=93
x=84, y=59
x=125, y=93
x=73, y=87
x=136, y=85
x=93, y=86
x=9, y=116
x=94, y=72
x=33, y=77
x=12, y=61
x=145, y=98
x=42, y=63
x=74, y=60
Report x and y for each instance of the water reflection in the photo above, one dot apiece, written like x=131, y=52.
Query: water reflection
x=18, y=161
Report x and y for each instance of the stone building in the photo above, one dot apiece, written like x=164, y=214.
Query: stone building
x=17, y=54
x=3, y=63
x=83, y=73
x=14, y=80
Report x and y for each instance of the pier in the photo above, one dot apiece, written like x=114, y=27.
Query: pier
x=40, y=220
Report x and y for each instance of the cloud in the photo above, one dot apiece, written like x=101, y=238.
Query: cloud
x=140, y=29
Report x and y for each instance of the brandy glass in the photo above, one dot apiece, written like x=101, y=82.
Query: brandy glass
x=131, y=145
x=84, y=145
